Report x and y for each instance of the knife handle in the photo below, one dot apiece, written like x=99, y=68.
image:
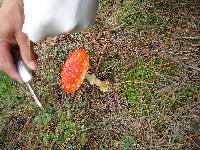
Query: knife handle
x=22, y=69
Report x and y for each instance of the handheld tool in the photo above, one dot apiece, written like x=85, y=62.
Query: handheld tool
x=25, y=75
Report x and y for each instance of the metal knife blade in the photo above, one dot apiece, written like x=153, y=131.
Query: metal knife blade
x=35, y=97
x=25, y=74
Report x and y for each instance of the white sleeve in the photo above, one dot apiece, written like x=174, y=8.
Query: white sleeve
x=45, y=18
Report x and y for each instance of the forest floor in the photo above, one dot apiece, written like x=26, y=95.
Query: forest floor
x=149, y=51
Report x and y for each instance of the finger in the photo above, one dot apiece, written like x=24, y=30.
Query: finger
x=6, y=62
x=26, y=49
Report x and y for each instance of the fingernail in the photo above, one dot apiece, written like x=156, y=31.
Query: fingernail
x=33, y=65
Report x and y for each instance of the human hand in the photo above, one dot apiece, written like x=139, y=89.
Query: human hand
x=11, y=35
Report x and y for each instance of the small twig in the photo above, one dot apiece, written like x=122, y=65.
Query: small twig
x=22, y=130
x=169, y=145
x=189, y=38
x=193, y=67
x=118, y=27
x=184, y=132
x=134, y=82
x=190, y=138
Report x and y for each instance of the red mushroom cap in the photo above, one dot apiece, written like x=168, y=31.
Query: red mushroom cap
x=74, y=70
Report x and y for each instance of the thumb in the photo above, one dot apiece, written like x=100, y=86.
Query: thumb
x=27, y=52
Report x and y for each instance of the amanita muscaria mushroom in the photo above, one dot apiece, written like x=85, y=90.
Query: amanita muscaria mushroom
x=75, y=71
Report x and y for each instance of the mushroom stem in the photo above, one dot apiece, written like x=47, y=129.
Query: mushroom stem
x=93, y=80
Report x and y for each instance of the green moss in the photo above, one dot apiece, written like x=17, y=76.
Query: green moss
x=132, y=93
x=66, y=131
x=103, y=5
x=9, y=97
x=142, y=72
x=184, y=95
x=150, y=15
x=135, y=14
x=129, y=143
x=7, y=88
x=43, y=119
x=92, y=54
x=60, y=128
x=154, y=84
x=94, y=28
